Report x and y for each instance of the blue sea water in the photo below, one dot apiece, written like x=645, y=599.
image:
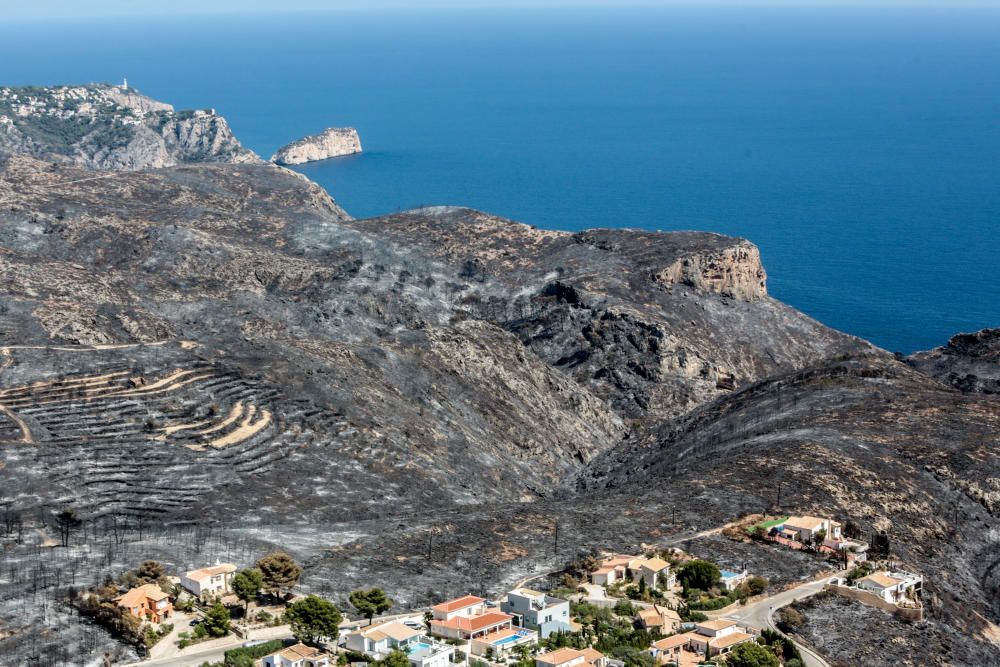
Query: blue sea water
x=858, y=147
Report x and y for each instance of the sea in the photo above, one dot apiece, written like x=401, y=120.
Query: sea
x=858, y=145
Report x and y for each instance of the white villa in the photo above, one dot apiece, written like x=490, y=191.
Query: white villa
x=467, y=618
x=538, y=611
x=730, y=579
x=719, y=636
x=209, y=581
x=298, y=655
x=379, y=641
x=803, y=528
x=893, y=587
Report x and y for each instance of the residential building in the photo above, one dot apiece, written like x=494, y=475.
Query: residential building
x=617, y=568
x=147, y=602
x=571, y=657
x=721, y=636
x=467, y=618
x=538, y=611
x=378, y=641
x=651, y=570
x=213, y=581
x=895, y=587
x=803, y=528
x=659, y=618
x=730, y=579
x=298, y=655
x=669, y=649
x=614, y=569
x=718, y=636
x=468, y=605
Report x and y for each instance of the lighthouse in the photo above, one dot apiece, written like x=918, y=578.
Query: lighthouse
x=124, y=83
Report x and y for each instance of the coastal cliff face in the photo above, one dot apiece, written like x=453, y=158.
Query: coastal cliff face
x=332, y=142
x=107, y=127
x=735, y=272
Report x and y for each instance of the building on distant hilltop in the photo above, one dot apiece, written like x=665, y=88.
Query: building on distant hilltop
x=213, y=581
x=538, y=611
x=378, y=641
x=894, y=587
x=147, y=602
x=298, y=655
x=467, y=618
x=571, y=657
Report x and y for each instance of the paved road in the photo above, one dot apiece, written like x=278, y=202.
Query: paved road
x=214, y=650
x=760, y=614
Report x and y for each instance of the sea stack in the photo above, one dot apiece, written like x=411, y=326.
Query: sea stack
x=331, y=142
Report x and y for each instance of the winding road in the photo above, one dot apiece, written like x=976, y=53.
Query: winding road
x=760, y=614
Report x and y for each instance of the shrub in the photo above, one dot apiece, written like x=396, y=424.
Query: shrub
x=790, y=619
x=233, y=657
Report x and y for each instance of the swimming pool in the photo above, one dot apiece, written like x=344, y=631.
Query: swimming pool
x=418, y=646
x=506, y=640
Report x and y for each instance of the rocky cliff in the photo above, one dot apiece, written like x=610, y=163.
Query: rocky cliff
x=970, y=361
x=331, y=142
x=108, y=127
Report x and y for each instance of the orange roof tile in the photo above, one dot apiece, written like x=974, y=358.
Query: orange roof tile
x=458, y=603
x=560, y=656
x=673, y=641
x=475, y=623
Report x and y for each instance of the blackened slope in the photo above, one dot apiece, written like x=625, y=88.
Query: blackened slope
x=654, y=323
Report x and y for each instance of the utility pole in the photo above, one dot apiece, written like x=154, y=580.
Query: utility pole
x=778, y=503
x=555, y=538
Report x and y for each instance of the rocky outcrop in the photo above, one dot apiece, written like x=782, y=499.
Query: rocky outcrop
x=969, y=362
x=735, y=271
x=332, y=142
x=107, y=127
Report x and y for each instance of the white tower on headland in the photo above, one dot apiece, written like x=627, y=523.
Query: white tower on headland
x=124, y=83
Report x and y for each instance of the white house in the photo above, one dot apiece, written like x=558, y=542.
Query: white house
x=719, y=636
x=538, y=611
x=379, y=641
x=298, y=655
x=803, y=528
x=215, y=580
x=893, y=587
x=651, y=570
x=730, y=579
x=467, y=618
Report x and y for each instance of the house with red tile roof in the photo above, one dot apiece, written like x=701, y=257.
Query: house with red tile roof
x=571, y=657
x=147, y=602
x=467, y=605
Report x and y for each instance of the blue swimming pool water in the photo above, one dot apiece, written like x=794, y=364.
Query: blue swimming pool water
x=419, y=646
x=506, y=640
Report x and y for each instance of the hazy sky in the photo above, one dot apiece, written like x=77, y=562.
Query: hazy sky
x=52, y=9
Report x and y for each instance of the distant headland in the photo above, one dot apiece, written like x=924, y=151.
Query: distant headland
x=331, y=142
